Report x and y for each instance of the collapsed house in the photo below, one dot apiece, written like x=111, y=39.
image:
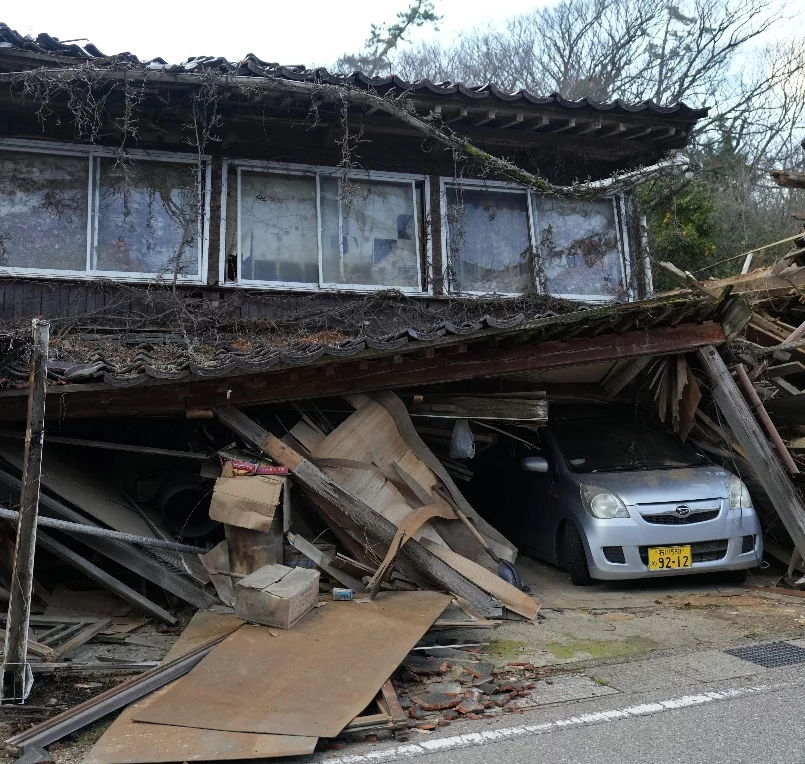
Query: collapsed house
x=283, y=305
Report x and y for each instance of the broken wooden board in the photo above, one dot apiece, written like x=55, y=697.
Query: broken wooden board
x=511, y=597
x=130, y=742
x=312, y=680
x=218, y=559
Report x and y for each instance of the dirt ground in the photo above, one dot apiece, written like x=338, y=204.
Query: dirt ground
x=578, y=629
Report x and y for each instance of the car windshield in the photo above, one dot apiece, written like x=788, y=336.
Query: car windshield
x=592, y=444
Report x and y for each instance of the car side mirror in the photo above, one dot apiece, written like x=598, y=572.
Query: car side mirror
x=534, y=464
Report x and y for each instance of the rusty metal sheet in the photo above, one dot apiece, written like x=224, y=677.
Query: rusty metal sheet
x=311, y=680
x=130, y=742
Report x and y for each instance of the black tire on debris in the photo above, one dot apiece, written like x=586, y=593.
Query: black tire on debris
x=575, y=558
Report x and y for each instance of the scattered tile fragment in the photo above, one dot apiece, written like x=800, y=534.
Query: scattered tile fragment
x=482, y=668
x=469, y=706
x=436, y=701
x=487, y=688
x=449, y=688
x=450, y=715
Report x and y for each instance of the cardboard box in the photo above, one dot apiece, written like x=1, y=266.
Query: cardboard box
x=276, y=595
x=248, y=502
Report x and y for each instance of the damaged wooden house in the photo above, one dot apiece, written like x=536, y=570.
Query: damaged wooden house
x=288, y=324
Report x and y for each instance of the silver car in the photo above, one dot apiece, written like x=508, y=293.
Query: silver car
x=607, y=495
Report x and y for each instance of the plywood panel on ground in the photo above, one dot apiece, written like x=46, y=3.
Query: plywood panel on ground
x=311, y=680
x=130, y=742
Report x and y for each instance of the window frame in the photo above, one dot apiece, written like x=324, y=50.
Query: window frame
x=497, y=186
x=93, y=154
x=423, y=248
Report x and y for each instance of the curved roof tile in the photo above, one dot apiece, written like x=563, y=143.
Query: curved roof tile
x=252, y=65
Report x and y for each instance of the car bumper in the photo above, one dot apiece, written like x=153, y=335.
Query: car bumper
x=633, y=535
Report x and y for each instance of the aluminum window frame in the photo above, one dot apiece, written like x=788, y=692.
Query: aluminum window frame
x=423, y=239
x=497, y=186
x=92, y=154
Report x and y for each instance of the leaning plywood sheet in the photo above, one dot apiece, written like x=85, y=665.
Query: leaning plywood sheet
x=461, y=540
x=130, y=742
x=73, y=479
x=311, y=680
x=376, y=436
x=514, y=599
x=370, y=437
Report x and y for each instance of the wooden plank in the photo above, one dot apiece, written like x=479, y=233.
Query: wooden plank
x=303, y=681
x=82, y=637
x=104, y=579
x=771, y=475
x=125, y=554
x=15, y=683
x=786, y=369
x=622, y=374
x=466, y=407
x=515, y=600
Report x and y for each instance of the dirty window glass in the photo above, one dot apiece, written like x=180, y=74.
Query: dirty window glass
x=612, y=445
x=43, y=211
x=279, y=238
x=147, y=218
x=488, y=241
x=378, y=233
x=578, y=247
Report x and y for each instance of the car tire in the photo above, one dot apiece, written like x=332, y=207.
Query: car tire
x=575, y=558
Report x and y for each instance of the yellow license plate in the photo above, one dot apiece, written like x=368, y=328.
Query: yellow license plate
x=669, y=557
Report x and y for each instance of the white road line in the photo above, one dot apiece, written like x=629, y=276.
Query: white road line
x=505, y=733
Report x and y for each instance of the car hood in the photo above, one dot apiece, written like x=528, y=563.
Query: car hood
x=655, y=486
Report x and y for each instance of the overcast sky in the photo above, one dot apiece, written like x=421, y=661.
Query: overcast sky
x=289, y=31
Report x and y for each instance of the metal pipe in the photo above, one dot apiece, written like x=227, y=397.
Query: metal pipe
x=760, y=413
x=91, y=530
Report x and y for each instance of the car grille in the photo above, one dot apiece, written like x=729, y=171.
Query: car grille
x=700, y=551
x=615, y=554
x=674, y=519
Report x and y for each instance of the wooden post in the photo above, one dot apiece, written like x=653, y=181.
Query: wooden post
x=15, y=681
x=770, y=473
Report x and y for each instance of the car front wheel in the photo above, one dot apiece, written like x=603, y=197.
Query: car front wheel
x=575, y=557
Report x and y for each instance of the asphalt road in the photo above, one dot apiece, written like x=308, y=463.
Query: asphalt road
x=751, y=719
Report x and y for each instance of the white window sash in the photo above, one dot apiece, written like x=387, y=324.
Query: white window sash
x=93, y=154
x=317, y=173
x=618, y=203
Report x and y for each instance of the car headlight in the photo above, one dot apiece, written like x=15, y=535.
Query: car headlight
x=739, y=494
x=601, y=503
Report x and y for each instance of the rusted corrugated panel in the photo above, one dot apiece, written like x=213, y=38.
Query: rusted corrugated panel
x=130, y=742
x=310, y=680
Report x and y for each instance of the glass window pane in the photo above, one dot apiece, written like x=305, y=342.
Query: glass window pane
x=488, y=243
x=43, y=211
x=279, y=238
x=147, y=218
x=578, y=247
x=379, y=234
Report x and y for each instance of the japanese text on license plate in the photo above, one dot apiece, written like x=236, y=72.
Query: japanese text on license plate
x=669, y=557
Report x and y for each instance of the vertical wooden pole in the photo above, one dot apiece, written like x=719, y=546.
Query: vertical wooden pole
x=15, y=681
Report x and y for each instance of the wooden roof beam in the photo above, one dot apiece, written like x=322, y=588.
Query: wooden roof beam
x=462, y=112
x=518, y=120
x=615, y=130
x=541, y=122
x=569, y=125
x=490, y=116
x=592, y=127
